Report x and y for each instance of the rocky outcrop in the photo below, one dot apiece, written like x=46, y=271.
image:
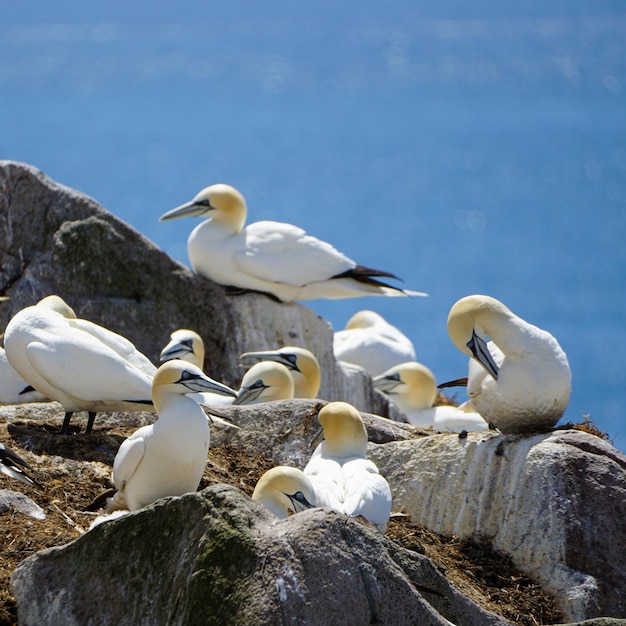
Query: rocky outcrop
x=56, y=240
x=217, y=557
x=555, y=503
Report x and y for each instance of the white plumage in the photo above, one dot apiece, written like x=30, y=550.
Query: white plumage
x=520, y=380
x=166, y=458
x=272, y=257
x=372, y=343
x=13, y=388
x=342, y=477
x=81, y=365
x=412, y=388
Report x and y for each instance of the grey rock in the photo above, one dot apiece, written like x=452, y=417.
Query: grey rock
x=217, y=557
x=14, y=500
x=56, y=240
x=555, y=503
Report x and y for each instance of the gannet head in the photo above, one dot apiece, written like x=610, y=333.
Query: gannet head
x=284, y=490
x=181, y=378
x=222, y=203
x=296, y=360
x=264, y=382
x=344, y=432
x=469, y=322
x=364, y=319
x=58, y=305
x=186, y=345
x=410, y=385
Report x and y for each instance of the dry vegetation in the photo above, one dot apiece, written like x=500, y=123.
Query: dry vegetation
x=74, y=469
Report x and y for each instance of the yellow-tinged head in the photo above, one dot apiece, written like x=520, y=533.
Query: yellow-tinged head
x=344, y=432
x=58, y=305
x=184, y=344
x=410, y=385
x=364, y=319
x=265, y=382
x=284, y=490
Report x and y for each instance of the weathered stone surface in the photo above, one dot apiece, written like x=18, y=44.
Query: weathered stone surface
x=555, y=503
x=56, y=240
x=217, y=557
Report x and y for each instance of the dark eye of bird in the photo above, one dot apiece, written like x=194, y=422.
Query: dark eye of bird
x=396, y=376
x=187, y=342
x=299, y=496
x=259, y=383
x=187, y=375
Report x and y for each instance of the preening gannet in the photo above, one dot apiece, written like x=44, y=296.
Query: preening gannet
x=372, y=343
x=524, y=381
x=13, y=465
x=166, y=458
x=13, y=388
x=272, y=257
x=284, y=490
x=264, y=382
x=411, y=387
x=301, y=363
x=342, y=477
x=81, y=365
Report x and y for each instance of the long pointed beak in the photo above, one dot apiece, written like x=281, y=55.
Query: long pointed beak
x=318, y=438
x=204, y=384
x=269, y=355
x=386, y=384
x=457, y=382
x=189, y=209
x=174, y=351
x=480, y=350
x=247, y=395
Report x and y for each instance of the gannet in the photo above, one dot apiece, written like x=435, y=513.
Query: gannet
x=524, y=379
x=302, y=365
x=264, y=382
x=13, y=388
x=166, y=458
x=411, y=387
x=187, y=345
x=372, y=343
x=81, y=365
x=13, y=465
x=342, y=477
x=272, y=257
x=284, y=490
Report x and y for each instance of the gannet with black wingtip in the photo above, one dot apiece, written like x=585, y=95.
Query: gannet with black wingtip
x=342, y=477
x=272, y=257
x=372, y=343
x=81, y=365
x=187, y=345
x=13, y=465
x=412, y=388
x=302, y=365
x=520, y=381
x=284, y=491
x=265, y=381
x=166, y=458
x=13, y=388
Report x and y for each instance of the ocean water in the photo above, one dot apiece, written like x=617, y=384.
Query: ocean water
x=468, y=149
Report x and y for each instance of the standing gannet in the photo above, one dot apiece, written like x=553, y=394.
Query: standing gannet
x=342, y=477
x=272, y=257
x=13, y=465
x=524, y=381
x=13, y=388
x=83, y=366
x=372, y=343
x=166, y=458
x=412, y=388
x=302, y=365
x=284, y=491
x=264, y=382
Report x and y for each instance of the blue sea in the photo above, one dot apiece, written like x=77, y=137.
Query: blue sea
x=467, y=147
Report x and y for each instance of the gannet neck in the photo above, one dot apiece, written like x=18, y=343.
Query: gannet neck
x=302, y=365
x=58, y=305
x=410, y=386
x=265, y=381
x=284, y=490
x=344, y=432
x=181, y=378
x=184, y=344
